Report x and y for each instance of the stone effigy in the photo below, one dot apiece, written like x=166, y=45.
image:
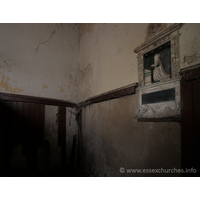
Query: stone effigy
x=159, y=71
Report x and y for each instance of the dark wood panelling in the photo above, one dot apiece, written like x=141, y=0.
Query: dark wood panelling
x=186, y=125
x=15, y=133
x=46, y=157
x=62, y=133
x=32, y=141
x=196, y=125
x=80, y=149
x=1, y=137
x=190, y=118
x=13, y=121
x=35, y=138
x=26, y=133
x=22, y=123
x=7, y=138
x=20, y=120
x=31, y=122
x=36, y=122
x=41, y=125
x=36, y=100
x=26, y=137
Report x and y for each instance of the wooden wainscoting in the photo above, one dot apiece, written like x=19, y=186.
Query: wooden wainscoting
x=22, y=120
x=190, y=120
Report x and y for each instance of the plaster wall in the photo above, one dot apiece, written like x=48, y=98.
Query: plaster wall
x=189, y=45
x=106, y=58
x=39, y=60
x=112, y=138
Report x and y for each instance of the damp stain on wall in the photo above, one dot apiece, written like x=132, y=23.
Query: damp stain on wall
x=83, y=29
x=4, y=67
x=45, y=86
x=61, y=89
x=84, y=79
x=70, y=81
x=7, y=88
x=191, y=59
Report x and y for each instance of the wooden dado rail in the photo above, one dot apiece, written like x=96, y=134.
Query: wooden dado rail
x=112, y=94
x=36, y=100
x=22, y=121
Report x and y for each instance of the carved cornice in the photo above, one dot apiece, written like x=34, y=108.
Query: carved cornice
x=160, y=35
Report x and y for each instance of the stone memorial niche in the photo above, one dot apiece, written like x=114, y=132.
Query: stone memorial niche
x=158, y=73
x=157, y=64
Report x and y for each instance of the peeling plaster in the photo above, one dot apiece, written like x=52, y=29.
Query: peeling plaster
x=4, y=84
x=46, y=59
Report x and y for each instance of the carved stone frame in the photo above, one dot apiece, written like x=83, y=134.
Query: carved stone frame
x=171, y=35
x=165, y=108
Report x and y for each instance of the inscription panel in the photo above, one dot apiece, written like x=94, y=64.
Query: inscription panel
x=158, y=97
